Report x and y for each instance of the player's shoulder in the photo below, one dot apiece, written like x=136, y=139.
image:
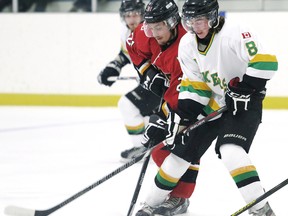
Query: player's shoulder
x=139, y=32
x=187, y=39
x=237, y=30
x=124, y=33
x=187, y=45
x=124, y=27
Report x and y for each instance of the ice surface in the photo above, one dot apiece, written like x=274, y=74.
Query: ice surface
x=49, y=154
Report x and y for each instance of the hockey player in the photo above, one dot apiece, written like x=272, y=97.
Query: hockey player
x=153, y=48
x=223, y=63
x=139, y=103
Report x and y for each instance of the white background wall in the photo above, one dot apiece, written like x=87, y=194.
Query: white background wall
x=63, y=53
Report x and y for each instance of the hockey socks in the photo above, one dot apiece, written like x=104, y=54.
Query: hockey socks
x=243, y=173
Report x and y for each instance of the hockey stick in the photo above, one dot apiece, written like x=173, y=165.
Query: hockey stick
x=259, y=199
x=115, y=78
x=142, y=173
x=138, y=185
x=145, y=164
x=19, y=211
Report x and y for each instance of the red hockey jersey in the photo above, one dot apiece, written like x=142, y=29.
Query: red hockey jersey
x=145, y=51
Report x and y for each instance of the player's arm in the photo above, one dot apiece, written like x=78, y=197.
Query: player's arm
x=242, y=93
x=113, y=69
x=194, y=93
x=150, y=77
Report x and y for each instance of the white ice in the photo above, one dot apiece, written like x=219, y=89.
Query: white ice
x=49, y=154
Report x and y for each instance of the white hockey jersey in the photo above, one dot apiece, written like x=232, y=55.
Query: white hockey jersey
x=232, y=52
x=124, y=34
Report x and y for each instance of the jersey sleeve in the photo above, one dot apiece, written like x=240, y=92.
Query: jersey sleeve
x=123, y=56
x=260, y=62
x=124, y=34
x=194, y=93
x=138, y=48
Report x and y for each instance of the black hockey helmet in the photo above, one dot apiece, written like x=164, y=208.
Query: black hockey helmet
x=130, y=6
x=197, y=8
x=162, y=10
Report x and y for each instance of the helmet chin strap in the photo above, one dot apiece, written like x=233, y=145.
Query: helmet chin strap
x=174, y=33
x=210, y=24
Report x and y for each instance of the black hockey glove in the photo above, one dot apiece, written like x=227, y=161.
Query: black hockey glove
x=110, y=73
x=155, y=81
x=172, y=128
x=238, y=96
x=154, y=132
x=180, y=139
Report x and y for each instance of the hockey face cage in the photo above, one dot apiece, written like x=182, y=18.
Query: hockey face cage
x=131, y=8
x=188, y=21
x=196, y=11
x=162, y=12
x=131, y=18
x=126, y=14
x=161, y=26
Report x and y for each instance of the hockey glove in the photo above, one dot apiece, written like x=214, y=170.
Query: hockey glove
x=172, y=128
x=109, y=74
x=154, y=132
x=155, y=81
x=238, y=96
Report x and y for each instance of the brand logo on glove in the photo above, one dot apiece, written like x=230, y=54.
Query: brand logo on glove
x=239, y=98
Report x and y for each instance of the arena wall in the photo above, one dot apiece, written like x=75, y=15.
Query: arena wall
x=54, y=59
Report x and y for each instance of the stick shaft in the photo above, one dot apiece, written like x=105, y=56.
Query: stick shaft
x=105, y=178
x=138, y=185
x=115, y=78
x=146, y=161
x=259, y=199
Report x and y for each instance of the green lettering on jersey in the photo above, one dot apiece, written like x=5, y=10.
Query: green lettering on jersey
x=205, y=76
x=224, y=83
x=251, y=47
x=215, y=79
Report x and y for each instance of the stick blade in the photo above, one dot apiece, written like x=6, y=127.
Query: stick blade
x=18, y=211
